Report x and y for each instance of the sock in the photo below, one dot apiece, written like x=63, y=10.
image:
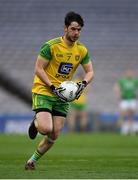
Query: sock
x=36, y=156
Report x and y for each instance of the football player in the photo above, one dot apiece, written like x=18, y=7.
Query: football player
x=57, y=61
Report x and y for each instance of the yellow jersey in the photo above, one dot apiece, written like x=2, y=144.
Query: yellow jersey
x=63, y=61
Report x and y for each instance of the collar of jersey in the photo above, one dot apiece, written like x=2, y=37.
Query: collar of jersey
x=70, y=47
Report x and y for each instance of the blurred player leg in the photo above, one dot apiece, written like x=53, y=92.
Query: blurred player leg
x=71, y=120
x=127, y=112
x=83, y=120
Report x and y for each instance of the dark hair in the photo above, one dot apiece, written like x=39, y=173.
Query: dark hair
x=72, y=16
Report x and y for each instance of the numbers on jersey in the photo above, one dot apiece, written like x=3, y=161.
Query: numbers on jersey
x=69, y=56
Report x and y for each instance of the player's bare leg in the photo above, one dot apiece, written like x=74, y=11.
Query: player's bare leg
x=46, y=143
x=126, y=120
x=83, y=121
x=121, y=121
x=72, y=120
x=131, y=121
x=38, y=124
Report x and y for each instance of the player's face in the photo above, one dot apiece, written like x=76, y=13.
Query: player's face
x=72, y=32
x=129, y=73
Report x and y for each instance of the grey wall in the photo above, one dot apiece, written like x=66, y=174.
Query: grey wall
x=110, y=33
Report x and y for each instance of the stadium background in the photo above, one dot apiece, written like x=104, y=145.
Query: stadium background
x=110, y=33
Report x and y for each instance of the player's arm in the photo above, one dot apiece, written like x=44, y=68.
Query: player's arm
x=137, y=86
x=117, y=90
x=41, y=64
x=89, y=73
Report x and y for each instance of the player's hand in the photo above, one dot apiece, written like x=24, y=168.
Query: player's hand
x=57, y=92
x=81, y=86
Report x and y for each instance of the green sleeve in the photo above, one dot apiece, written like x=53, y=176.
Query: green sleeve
x=86, y=59
x=137, y=82
x=45, y=51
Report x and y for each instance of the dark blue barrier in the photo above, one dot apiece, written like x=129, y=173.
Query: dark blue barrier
x=15, y=123
x=112, y=117
x=18, y=123
x=108, y=117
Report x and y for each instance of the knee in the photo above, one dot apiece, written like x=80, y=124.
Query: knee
x=45, y=129
x=44, y=123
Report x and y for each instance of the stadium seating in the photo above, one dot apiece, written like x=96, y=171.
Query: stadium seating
x=110, y=33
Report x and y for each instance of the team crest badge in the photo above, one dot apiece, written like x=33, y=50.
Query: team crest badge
x=77, y=57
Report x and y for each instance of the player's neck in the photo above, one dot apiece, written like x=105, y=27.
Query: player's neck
x=67, y=42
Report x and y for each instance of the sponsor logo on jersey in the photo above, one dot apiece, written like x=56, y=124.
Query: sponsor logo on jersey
x=65, y=68
x=59, y=55
x=69, y=54
x=62, y=76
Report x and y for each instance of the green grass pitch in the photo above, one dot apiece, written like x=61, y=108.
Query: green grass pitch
x=74, y=156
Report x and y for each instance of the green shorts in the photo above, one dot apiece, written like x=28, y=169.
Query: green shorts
x=78, y=107
x=50, y=104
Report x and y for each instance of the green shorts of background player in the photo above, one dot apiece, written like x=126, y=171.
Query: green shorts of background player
x=79, y=107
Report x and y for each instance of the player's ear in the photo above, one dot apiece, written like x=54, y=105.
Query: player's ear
x=65, y=28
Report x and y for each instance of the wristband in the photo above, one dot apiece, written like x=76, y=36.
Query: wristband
x=85, y=83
